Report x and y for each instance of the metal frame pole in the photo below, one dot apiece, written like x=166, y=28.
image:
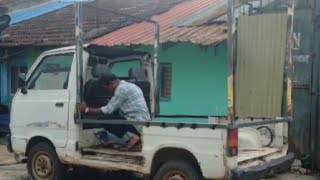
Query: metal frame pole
x=155, y=67
x=231, y=94
x=79, y=50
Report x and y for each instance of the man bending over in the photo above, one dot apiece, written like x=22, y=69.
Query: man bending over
x=128, y=100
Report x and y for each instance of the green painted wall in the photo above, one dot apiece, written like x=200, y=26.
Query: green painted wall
x=122, y=69
x=199, y=80
x=31, y=55
x=25, y=58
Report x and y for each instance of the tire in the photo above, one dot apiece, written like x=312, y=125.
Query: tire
x=173, y=170
x=43, y=163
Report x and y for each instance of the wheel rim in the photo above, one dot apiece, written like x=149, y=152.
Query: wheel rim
x=175, y=175
x=42, y=166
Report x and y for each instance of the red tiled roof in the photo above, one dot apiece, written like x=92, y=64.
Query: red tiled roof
x=57, y=28
x=143, y=33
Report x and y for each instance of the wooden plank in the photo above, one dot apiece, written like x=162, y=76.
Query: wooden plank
x=251, y=154
x=116, y=159
x=101, y=162
x=111, y=151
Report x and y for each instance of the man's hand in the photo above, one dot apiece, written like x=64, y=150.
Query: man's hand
x=82, y=107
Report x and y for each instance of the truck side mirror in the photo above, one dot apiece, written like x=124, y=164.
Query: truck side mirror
x=23, y=83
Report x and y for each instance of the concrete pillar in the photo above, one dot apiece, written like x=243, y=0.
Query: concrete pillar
x=4, y=83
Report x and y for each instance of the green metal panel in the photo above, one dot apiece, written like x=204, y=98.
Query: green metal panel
x=260, y=65
x=304, y=130
x=316, y=51
x=300, y=128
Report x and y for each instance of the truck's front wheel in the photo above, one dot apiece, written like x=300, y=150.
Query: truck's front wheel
x=43, y=163
x=178, y=170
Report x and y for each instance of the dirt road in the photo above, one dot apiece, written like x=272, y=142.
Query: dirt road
x=19, y=172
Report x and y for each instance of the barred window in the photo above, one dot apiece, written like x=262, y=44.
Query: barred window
x=165, y=81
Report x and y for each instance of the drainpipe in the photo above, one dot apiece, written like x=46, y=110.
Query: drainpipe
x=231, y=93
x=156, y=51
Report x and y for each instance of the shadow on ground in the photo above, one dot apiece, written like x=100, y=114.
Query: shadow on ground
x=84, y=174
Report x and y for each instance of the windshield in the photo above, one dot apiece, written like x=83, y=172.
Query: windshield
x=51, y=73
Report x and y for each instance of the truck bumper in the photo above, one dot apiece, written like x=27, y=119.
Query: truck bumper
x=261, y=171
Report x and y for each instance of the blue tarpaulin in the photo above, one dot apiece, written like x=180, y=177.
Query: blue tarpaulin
x=30, y=13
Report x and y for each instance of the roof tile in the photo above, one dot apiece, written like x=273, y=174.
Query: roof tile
x=57, y=28
x=143, y=33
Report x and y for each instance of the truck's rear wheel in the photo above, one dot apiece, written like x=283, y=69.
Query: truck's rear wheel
x=43, y=163
x=178, y=170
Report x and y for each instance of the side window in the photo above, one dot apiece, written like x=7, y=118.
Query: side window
x=51, y=73
x=14, y=74
x=121, y=69
x=165, y=80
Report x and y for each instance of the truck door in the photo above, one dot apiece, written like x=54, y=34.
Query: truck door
x=42, y=110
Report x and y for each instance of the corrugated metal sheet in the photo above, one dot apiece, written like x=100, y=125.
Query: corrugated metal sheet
x=143, y=33
x=260, y=65
x=204, y=15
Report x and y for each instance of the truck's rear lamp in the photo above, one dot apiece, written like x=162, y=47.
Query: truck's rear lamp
x=233, y=142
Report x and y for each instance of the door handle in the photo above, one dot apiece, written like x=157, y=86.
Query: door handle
x=59, y=104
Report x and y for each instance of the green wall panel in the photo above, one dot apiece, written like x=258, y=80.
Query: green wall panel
x=199, y=80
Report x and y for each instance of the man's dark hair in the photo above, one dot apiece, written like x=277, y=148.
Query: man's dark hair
x=107, y=78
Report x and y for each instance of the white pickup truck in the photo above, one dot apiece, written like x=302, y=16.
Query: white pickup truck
x=46, y=128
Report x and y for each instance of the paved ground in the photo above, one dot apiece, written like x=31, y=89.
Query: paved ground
x=19, y=172
x=5, y=157
x=10, y=172
x=13, y=172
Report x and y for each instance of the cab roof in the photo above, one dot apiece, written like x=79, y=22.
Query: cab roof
x=102, y=51
x=111, y=52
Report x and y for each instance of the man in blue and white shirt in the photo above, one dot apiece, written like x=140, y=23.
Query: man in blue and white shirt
x=128, y=99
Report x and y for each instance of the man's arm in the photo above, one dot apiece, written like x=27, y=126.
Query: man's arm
x=115, y=102
x=94, y=111
x=85, y=109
